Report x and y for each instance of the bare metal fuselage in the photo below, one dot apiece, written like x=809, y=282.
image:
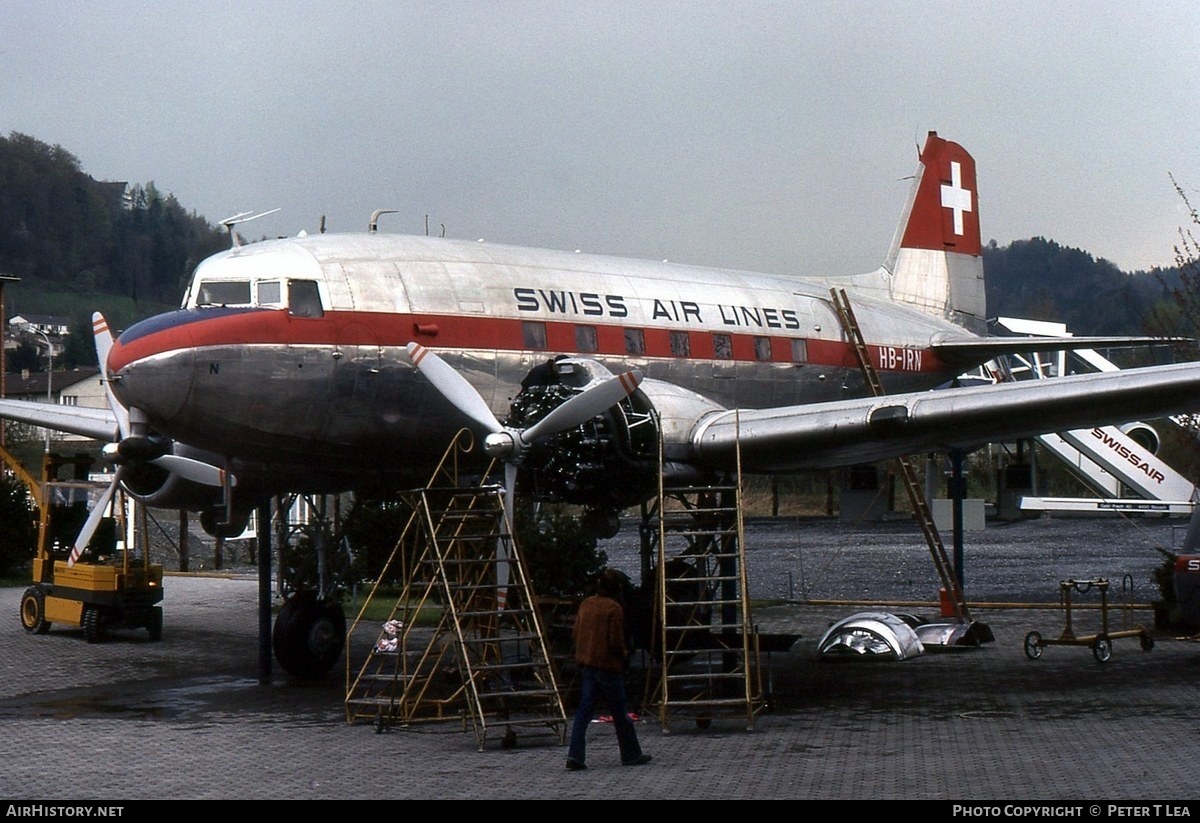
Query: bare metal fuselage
x=292, y=352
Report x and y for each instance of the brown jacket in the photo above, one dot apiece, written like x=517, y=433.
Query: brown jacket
x=600, y=634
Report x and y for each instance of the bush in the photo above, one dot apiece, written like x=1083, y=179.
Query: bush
x=18, y=529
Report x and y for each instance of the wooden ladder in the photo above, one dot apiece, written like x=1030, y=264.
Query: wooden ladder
x=937, y=548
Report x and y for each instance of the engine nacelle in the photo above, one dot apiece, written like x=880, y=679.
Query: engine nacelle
x=611, y=462
x=158, y=488
x=1143, y=434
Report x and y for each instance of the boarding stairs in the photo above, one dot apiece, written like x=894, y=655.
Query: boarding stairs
x=704, y=641
x=1125, y=474
x=485, y=660
x=921, y=511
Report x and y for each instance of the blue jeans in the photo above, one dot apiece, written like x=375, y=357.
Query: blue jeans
x=599, y=684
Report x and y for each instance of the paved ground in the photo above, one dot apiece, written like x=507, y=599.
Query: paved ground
x=187, y=718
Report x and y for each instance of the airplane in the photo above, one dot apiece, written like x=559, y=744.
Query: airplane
x=337, y=362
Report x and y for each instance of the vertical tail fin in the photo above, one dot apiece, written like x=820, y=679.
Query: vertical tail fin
x=936, y=258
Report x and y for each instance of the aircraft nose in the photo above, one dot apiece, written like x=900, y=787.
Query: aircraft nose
x=155, y=382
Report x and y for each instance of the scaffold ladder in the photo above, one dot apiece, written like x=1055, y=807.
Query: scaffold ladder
x=485, y=660
x=705, y=645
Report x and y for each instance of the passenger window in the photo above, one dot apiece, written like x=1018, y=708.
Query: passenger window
x=635, y=341
x=722, y=347
x=799, y=351
x=681, y=346
x=303, y=299
x=534, y=335
x=224, y=293
x=585, y=339
x=762, y=348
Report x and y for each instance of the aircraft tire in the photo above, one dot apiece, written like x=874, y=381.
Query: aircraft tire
x=33, y=611
x=309, y=635
x=1102, y=649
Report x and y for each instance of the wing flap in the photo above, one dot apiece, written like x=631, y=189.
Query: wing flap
x=823, y=435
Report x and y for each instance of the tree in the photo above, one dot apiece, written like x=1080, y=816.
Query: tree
x=1185, y=294
x=18, y=534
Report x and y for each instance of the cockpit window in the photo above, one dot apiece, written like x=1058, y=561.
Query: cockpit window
x=269, y=293
x=303, y=299
x=224, y=293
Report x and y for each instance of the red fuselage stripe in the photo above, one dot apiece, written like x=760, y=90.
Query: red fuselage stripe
x=277, y=327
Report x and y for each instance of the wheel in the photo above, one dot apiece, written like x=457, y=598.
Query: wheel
x=95, y=624
x=154, y=624
x=1147, y=642
x=1033, y=645
x=33, y=611
x=309, y=635
x=1102, y=648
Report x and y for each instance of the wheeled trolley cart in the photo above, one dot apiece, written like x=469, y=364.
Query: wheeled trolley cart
x=1100, y=644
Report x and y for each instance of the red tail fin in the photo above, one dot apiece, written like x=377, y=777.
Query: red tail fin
x=936, y=260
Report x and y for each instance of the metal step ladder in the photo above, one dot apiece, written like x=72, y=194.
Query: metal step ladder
x=916, y=497
x=704, y=641
x=485, y=660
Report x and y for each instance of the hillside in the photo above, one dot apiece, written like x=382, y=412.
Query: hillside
x=80, y=244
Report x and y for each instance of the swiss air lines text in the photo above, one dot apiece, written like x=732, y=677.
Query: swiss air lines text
x=593, y=304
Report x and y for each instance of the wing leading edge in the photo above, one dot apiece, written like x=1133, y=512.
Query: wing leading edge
x=843, y=432
x=98, y=424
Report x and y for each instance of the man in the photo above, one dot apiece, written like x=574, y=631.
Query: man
x=600, y=654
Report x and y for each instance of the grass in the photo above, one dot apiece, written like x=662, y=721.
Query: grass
x=383, y=606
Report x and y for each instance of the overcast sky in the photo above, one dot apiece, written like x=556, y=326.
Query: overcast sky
x=754, y=135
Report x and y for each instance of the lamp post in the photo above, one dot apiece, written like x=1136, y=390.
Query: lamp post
x=49, y=378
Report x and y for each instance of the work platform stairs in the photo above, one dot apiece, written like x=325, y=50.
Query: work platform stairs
x=704, y=641
x=485, y=660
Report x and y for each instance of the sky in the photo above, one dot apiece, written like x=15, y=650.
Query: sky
x=766, y=136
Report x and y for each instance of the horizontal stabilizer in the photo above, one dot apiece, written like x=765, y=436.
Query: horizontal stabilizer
x=970, y=351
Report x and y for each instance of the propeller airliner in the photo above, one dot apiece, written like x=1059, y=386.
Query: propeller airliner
x=328, y=363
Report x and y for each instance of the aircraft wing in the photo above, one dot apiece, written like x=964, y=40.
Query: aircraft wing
x=864, y=430
x=98, y=424
x=971, y=351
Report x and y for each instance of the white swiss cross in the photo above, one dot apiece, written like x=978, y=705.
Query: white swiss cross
x=956, y=197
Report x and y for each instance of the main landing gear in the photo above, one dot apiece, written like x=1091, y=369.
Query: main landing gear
x=309, y=635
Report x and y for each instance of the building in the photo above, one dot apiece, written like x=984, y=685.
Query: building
x=53, y=325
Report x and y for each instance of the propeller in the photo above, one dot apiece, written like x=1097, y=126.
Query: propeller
x=135, y=446
x=511, y=444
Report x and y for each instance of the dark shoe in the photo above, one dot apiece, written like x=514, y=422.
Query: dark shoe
x=641, y=759
x=575, y=766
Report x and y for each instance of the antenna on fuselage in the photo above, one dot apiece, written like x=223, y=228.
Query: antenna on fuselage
x=245, y=217
x=375, y=218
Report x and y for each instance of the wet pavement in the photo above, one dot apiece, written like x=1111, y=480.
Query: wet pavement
x=187, y=718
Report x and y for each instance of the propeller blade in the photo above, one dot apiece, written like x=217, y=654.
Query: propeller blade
x=104, y=344
x=93, y=520
x=584, y=406
x=453, y=386
x=510, y=491
x=196, y=471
